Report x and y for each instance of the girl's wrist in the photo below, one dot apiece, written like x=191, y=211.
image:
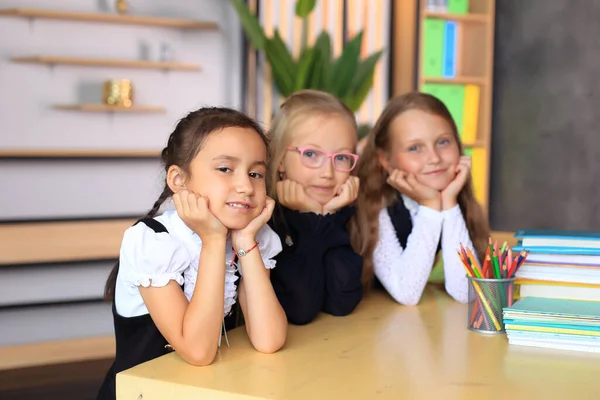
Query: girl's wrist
x=243, y=243
x=435, y=204
x=448, y=204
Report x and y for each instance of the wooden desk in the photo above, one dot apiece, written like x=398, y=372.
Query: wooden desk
x=381, y=351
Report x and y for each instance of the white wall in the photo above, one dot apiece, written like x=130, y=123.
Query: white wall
x=26, y=115
x=41, y=189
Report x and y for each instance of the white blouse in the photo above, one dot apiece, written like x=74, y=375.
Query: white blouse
x=404, y=272
x=153, y=259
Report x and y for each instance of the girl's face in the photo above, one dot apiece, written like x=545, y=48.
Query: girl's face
x=422, y=144
x=230, y=171
x=313, y=139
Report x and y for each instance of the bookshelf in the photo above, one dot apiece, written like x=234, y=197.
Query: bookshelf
x=455, y=63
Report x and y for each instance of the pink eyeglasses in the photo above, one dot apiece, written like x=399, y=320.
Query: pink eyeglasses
x=313, y=158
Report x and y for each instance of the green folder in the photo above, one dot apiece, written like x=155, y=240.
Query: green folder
x=433, y=50
x=458, y=6
x=453, y=96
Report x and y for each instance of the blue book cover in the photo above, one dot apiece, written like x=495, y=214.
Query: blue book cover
x=587, y=251
x=556, y=307
x=449, y=58
x=558, y=234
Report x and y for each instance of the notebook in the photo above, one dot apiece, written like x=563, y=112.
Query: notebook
x=559, y=238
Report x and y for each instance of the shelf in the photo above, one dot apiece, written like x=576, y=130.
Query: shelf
x=49, y=242
x=57, y=352
x=108, y=108
x=459, y=80
x=481, y=18
x=106, y=62
x=108, y=18
x=78, y=153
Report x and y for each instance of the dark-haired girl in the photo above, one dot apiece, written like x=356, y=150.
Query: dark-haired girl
x=180, y=273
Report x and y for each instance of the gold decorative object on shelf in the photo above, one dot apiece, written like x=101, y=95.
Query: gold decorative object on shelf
x=118, y=92
x=122, y=6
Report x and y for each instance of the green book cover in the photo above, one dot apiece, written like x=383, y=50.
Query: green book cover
x=458, y=6
x=433, y=50
x=453, y=96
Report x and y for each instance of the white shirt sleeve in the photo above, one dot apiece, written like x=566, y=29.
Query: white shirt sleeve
x=147, y=259
x=269, y=245
x=404, y=272
x=455, y=232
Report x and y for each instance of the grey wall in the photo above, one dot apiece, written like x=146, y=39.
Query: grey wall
x=47, y=302
x=546, y=144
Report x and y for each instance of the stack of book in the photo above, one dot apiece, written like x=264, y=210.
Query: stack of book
x=554, y=323
x=560, y=264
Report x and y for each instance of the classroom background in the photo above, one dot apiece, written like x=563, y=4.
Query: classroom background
x=76, y=170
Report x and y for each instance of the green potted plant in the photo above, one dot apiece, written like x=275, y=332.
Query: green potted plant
x=348, y=77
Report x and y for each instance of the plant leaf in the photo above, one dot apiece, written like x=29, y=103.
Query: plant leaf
x=283, y=53
x=362, y=81
x=316, y=71
x=363, y=130
x=304, y=7
x=282, y=64
x=321, y=76
x=249, y=21
x=345, y=67
x=305, y=67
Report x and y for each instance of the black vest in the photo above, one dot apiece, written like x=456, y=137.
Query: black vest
x=137, y=338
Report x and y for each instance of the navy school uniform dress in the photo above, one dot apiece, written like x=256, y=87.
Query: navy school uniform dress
x=317, y=269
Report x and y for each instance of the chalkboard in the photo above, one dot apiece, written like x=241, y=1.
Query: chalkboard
x=545, y=168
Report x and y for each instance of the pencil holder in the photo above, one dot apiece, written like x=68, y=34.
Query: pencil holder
x=487, y=298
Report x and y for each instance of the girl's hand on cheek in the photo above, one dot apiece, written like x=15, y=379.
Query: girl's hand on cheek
x=292, y=195
x=346, y=195
x=450, y=194
x=193, y=210
x=408, y=185
x=246, y=237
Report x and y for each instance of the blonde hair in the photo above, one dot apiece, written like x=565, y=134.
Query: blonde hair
x=375, y=193
x=297, y=108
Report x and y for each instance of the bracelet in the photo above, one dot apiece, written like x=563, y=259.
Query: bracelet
x=242, y=252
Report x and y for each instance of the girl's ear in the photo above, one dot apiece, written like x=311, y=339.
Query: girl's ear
x=281, y=170
x=384, y=160
x=175, y=178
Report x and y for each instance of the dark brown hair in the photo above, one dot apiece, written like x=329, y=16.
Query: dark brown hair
x=182, y=147
x=375, y=193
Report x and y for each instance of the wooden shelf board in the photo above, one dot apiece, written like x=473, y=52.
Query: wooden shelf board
x=49, y=242
x=459, y=80
x=78, y=153
x=109, y=108
x=106, y=62
x=481, y=18
x=57, y=352
x=108, y=18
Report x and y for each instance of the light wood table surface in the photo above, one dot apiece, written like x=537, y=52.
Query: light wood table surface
x=381, y=351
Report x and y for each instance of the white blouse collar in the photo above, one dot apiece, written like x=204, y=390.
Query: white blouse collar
x=411, y=205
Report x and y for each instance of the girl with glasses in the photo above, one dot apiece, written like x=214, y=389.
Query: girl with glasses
x=312, y=142
x=418, y=205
